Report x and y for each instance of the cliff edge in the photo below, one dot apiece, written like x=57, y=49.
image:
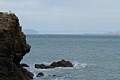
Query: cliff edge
x=13, y=47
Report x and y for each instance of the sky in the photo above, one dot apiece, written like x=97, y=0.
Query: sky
x=66, y=16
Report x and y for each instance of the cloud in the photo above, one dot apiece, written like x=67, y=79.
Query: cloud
x=65, y=15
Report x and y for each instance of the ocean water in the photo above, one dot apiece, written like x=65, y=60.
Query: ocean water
x=94, y=57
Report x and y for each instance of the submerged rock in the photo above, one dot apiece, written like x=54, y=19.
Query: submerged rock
x=40, y=74
x=13, y=47
x=62, y=63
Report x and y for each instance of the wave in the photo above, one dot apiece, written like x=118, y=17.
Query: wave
x=75, y=63
x=35, y=71
x=80, y=65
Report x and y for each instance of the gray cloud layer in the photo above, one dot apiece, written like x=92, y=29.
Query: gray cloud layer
x=66, y=16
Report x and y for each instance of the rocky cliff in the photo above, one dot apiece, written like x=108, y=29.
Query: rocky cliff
x=13, y=47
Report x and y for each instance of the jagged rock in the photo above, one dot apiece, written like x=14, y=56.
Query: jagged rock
x=42, y=66
x=13, y=47
x=24, y=65
x=62, y=63
x=40, y=74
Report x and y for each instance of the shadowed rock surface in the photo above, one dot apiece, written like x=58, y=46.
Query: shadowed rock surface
x=62, y=63
x=40, y=74
x=24, y=65
x=13, y=47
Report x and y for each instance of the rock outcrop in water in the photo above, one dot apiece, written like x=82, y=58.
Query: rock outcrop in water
x=62, y=63
x=40, y=74
x=13, y=47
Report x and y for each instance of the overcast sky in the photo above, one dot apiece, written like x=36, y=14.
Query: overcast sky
x=66, y=16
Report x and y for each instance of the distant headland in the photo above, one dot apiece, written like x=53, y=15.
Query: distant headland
x=30, y=31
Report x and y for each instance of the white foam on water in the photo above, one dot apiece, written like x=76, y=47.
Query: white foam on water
x=58, y=79
x=80, y=65
x=34, y=75
x=77, y=65
x=83, y=65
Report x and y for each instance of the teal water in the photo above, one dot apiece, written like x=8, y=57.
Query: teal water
x=95, y=57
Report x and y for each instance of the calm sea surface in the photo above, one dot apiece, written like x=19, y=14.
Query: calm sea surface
x=94, y=57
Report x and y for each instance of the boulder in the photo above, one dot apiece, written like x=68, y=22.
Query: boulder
x=62, y=63
x=40, y=74
x=13, y=47
x=42, y=66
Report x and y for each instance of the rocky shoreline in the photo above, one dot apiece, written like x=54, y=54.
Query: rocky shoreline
x=13, y=47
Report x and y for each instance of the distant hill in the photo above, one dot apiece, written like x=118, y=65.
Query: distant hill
x=113, y=33
x=30, y=31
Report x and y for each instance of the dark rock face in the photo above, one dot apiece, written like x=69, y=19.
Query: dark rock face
x=43, y=66
x=24, y=65
x=12, y=49
x=62, y=63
